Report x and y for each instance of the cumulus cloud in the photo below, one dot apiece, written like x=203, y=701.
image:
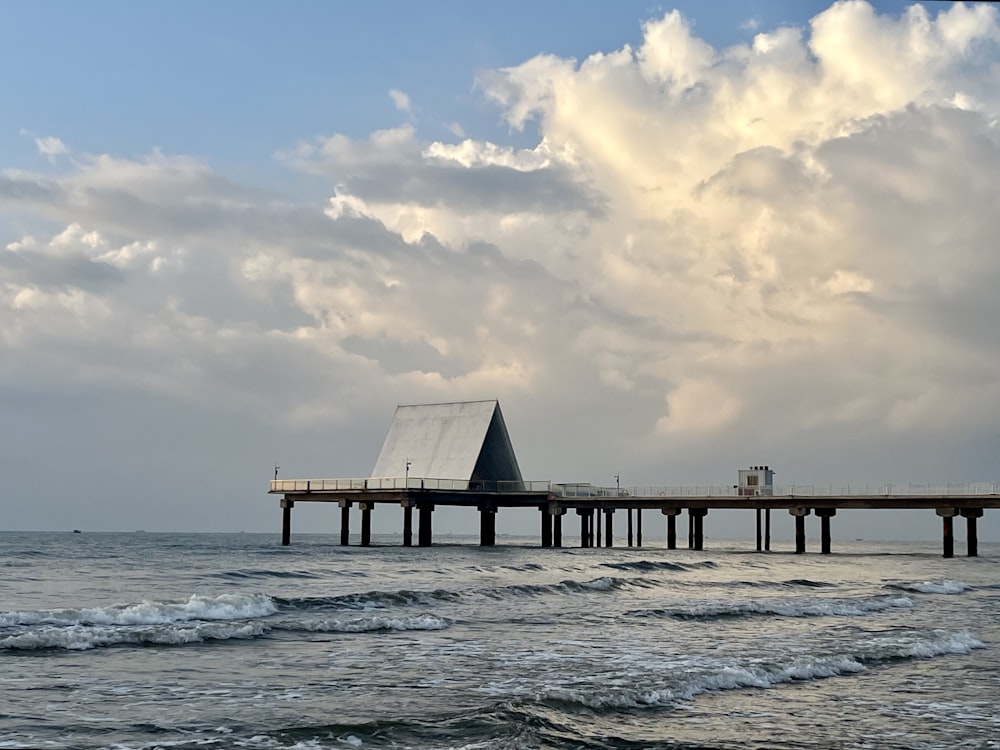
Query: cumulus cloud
x=48, y=146
x=785, y=247
x=401, y=100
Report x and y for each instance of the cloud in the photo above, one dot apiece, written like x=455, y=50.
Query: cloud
x=401, y=100
x=781, y=251
x=48, y=146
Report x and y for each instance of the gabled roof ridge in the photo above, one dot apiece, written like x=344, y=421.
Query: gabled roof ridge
x=450, y=403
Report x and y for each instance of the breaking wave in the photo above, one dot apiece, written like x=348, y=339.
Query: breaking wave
x=720, y=609
x=654, y=565
x=196, y=620
x=696, y=680
x=84, y=637
x=368, y=624
x=222, y=607
x=946, y=586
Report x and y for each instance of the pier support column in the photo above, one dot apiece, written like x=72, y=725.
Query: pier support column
x=557, y=528
x=760, y=539
x=609, y=514
x=690, y=529
x=286, y=520
x=971, y=536
x=671, y=514
x=629, y=528
x=407, y=523
x=584, y=527
x=767, y=530
x=345, y=522
x=825, y=514
x=947, y=530
x=596, y=520
x=546, y=526
x=487, y=526
x=366, y=523
x=424, y=532
x=638, y=527
x=697, y=520
x=800, y=528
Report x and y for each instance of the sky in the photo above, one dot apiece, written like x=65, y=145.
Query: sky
x=673, y=240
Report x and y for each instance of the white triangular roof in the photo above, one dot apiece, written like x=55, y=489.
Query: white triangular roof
x=463, y=440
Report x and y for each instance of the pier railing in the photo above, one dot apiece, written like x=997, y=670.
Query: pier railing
x=406, y=483
x=623, y=493
x=788, y=490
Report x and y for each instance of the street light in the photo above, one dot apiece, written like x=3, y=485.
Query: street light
x=618, y=484
x=407, y=472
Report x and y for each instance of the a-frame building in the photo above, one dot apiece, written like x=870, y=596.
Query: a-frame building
x=465, y=440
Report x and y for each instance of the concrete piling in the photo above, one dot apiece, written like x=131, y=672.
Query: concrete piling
x=608, y=526
x=408, y=525
x=345, y=523
x=971, y=534
x=800, y=528
x=696, y=528
x=424, y=533
x=671, y=514
x=825, y=514
x=947, y=530
x=546, y=526
x=366, y=523
x=487, y=526
x=286, y=520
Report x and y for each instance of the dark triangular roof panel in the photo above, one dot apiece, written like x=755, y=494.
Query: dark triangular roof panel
x=497, y=461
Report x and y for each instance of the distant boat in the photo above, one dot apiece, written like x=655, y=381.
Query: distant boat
x=77, y=531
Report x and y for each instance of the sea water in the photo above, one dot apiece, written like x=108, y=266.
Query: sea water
x=130, y=641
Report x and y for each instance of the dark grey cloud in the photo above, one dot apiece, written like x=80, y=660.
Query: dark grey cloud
x=396, y=170
x=45, y=270
x=478, y=188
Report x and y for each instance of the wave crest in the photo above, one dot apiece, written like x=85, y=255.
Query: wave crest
x=946, y=586
x=721, y=609
x=197, y=607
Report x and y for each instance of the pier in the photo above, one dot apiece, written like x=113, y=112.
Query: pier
x=460, y=455
x=556, y=503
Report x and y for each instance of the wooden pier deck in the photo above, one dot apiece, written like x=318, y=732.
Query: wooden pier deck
x=555, y=501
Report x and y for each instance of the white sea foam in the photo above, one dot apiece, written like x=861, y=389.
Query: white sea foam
x=196, y=607
x=918, y=645
x=798, y=607
x=945, y=586
x=371, y=624
x=603, y=583
x=685, y=684
x=84, y=637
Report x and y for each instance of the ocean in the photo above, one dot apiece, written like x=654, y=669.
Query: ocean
x=149, y=640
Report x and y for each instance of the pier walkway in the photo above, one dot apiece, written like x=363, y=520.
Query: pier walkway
x=588, y=502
